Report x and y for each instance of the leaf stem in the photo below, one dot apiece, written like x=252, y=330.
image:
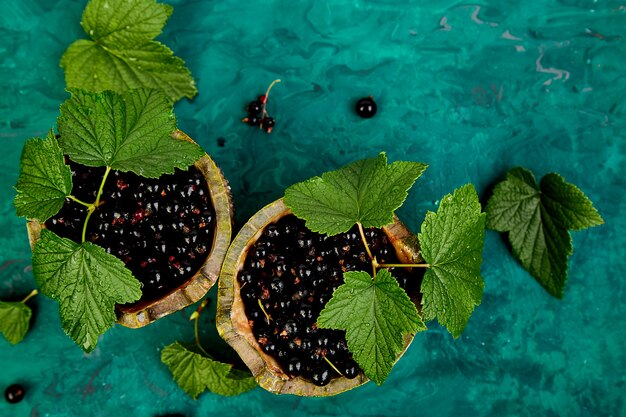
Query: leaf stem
x=199, y=310
x=92, y=207
x=85, y=225
x=403, y=265
x=332, y=365
x=71, y=197
x=104, y=178
x=367, y=248
x=31, y=295
x=195, y=316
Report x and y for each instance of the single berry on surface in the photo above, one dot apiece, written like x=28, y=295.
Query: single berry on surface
x=366, y=107
x=14, y=393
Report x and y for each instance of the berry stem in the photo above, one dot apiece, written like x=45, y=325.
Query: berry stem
x=367, y=248
x=267, y=95
x=31, y=295
x=332, y=365
x=267, y=316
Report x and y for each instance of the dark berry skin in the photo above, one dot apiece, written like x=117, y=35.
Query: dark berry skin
x=366, y=107
x=253, y=120
x=268, y=122
x=254, y=108
x=321, y=376
x=14, y=393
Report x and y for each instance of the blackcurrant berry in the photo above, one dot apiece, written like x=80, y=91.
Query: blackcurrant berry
x=294, y=368
x=14, y=393
x=254, y=108
x=350, y=369
x=366, y=107
x=321, y=376
x=252, y=120
x=268, y=123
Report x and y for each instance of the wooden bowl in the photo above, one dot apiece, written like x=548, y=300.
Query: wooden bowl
x=232, y=322
x=144, y=312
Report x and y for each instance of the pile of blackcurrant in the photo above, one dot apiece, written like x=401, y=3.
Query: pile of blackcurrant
x=289, y=275
x=257, y=111
x=162, y=229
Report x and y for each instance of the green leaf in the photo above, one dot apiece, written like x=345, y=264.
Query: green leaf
x=194, y=373
x=366, y=192
x=537, y=220
x=122, y=54
x=127, y=132
x=375, y=314
x=569, y=207
x=451, y=241
x=14, y=320
x=86, y=281
x=44, y=179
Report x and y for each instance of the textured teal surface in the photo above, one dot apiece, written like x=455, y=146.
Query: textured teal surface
x=471, y=89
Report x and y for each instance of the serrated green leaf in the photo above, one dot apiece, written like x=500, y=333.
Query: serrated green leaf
x=44, y=179
x=367, y=192
x=86, y=281
x=127, y=132
x=537, y=220
x=375, y=315
x=14, y=320
x=195, y=373
x=451, y=241
x=567, y=205
x=123, y=22
x=122, y=54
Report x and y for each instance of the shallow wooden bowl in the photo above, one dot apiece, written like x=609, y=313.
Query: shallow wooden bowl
x=145, y=312
x=232, y=323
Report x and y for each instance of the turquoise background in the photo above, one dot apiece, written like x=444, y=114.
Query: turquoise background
x=471, y=89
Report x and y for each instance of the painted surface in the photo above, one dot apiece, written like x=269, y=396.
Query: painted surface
x=471, y=89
